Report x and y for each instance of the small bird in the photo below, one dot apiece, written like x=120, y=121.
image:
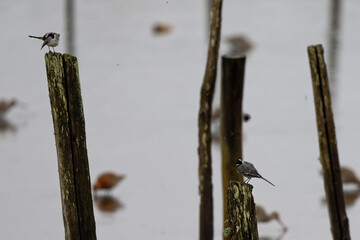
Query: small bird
x=107, y=181
x=50, y=39
x=262, y=216
x=240, y=45
x=248, y=170
x=348, y=176
x=161, y=28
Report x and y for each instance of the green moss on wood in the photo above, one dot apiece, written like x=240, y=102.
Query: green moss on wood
x=241, y=211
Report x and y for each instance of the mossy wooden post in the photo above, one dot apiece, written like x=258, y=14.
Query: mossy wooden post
x=327, y=142
x=70, y=139
x=232, y=85
x=206, y=231
x=242, y=213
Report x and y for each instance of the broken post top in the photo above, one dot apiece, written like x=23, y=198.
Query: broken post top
x=241, y=211
x=49, y=55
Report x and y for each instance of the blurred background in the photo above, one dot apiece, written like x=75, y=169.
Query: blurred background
x=141, y=91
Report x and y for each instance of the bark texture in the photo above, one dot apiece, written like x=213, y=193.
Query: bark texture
x=242, y=213
x=70, y=139
x=206, y=231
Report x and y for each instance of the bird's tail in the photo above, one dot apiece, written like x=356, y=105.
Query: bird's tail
x=120, y=177
x=268, y=181
x=35, y=37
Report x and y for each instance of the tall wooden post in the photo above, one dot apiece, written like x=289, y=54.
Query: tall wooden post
x=327, y=143
x=70, y=139
x=206, y=231
x=232, y=85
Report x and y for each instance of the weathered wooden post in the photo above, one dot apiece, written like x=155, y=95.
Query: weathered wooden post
x=70, y=139
x=327, y=142
x=232, y=85
x=242, y=213
x=206, y=231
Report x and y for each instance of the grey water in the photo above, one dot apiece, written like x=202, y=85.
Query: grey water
x=141, y=98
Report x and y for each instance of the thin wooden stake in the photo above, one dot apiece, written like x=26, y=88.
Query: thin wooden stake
x=327, y=143
x=206, y=231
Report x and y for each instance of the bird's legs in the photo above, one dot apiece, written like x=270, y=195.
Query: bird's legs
x=52, y=48
x=247, y=180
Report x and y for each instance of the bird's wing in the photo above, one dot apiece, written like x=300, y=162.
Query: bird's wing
x=44, y=43
x=251, y=169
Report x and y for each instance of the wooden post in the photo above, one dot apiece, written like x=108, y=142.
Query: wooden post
x=242, y=213
x=69, y=128
x=327, y=142
x=206, y=231
x=232, y=85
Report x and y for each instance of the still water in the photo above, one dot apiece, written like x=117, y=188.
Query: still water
x=141, y=97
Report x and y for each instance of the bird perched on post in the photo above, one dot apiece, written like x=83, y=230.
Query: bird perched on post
x=262, y=216
x=107, y=181
x=50, y=39
x=248, y=170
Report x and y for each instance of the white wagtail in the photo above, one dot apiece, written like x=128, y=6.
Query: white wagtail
x=50, y=39
x=248, y=170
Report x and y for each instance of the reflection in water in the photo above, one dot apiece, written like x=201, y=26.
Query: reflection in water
x=282, y=234
x=349, y=179
x=333, y=43
x=5, y=106
x=347, y=176
x=7, y=126
x=263, y=216
x=350, y=197
x=108, y=203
